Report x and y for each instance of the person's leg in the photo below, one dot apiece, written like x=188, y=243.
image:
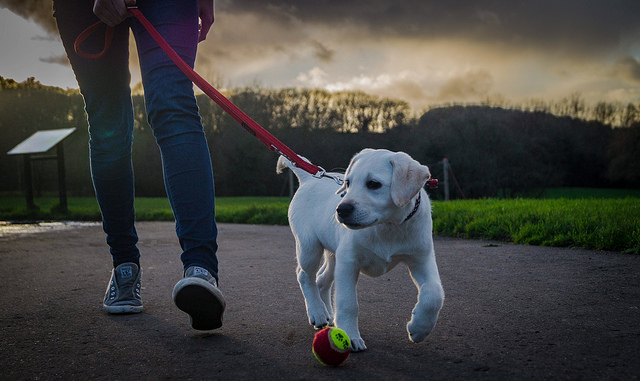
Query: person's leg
x=105, y=86
x=173, y=116
x=104, y=83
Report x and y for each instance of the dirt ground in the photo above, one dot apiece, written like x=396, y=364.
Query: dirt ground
x=511, y=313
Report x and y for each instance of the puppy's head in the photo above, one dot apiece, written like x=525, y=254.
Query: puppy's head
x=379, y=185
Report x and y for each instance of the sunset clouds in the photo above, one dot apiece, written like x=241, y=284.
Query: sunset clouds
x=424, y=51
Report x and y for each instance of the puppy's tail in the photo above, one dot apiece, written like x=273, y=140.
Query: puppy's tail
x=286, y=163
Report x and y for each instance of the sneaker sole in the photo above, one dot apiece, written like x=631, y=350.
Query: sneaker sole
x=116, y=310
x=203, y=302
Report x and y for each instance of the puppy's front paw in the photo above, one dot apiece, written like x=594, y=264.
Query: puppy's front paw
x=357, y=344
x=417, y=337
x=417, y=330
x=320, y=319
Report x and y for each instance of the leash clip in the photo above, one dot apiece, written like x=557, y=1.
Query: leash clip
x=322, y=173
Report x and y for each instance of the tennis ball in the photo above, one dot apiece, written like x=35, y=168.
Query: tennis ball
x=331, y=346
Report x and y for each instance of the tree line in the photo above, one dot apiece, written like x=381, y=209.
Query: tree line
x=493, y=151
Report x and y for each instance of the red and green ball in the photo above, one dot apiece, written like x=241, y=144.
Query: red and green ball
x=331, y=346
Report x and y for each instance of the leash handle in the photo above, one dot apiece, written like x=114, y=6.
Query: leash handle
x=108, y=37
x=245, y=121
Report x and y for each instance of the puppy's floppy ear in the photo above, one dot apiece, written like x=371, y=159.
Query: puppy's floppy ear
x=408, y=178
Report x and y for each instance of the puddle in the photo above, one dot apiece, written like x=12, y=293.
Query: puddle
x=8, y=229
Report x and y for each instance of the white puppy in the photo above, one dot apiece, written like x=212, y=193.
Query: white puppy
x=380, y=217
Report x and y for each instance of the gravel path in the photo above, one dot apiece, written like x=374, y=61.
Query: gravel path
x=511, y=312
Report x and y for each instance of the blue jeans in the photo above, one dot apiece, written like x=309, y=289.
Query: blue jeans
x=172, y=113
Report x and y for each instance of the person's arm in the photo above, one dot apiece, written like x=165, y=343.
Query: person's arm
x=206, y=13
x=112, y=12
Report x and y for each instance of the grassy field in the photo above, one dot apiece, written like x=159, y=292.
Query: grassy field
x=248, y=210
x=593, y=219
x=601, y=224
x=578, y=193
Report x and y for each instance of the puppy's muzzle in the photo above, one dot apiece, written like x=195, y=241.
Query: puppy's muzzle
x=347, y=215
x=345, y=211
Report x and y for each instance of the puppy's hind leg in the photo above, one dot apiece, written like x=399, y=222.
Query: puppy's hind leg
x=325, y=281
x=309, y=261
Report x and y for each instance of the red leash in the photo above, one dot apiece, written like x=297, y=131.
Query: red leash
x=245, y=121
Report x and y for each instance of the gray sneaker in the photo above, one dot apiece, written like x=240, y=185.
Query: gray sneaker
x=198, y=295
x=123, y=292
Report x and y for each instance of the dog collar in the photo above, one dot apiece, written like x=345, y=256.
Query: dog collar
x=415, y=208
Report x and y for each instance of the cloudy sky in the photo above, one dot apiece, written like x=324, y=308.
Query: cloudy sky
x=423, y=51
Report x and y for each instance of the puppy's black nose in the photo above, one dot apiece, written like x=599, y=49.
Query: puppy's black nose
x=344, y=210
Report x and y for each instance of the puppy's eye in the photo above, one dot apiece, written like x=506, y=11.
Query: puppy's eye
x=372, y=184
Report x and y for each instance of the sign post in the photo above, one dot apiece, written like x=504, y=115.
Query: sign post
x=34, y=148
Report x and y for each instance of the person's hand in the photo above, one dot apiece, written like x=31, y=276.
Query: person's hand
x=112, y=12
x=206, y=14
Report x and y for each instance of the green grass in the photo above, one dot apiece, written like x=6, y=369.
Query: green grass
x=600, y=224
x=243, y=210
x=253, y=210
x=13, y=208
x=593, y=219
x=590, y=193
x=249, y=210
